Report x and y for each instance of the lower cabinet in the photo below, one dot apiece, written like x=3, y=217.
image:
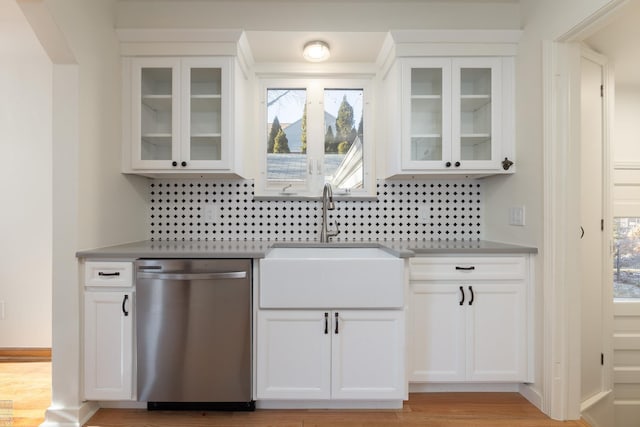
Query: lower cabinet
x=324, y=354
x=108, y=340
x=108, y=345
x=467, y=327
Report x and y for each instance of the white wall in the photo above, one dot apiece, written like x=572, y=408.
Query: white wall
x=111, y=205
x=25, y=184
x=626, y=143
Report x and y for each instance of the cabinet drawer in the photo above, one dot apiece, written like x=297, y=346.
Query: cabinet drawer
x=468, y=268
x=110, y=274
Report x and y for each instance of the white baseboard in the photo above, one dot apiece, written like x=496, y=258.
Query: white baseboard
x=599, y=410
x=461, y=387
x=328, y=404
x=69, y=417
x=532, y=395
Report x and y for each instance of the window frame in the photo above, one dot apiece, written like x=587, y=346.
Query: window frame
x=313, y=183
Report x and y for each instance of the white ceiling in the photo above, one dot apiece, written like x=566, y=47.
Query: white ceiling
x=286, y=46
x=619, y=41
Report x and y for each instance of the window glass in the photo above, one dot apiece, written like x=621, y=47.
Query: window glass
x=626, y=258
x=343, y=138
x=286, y=135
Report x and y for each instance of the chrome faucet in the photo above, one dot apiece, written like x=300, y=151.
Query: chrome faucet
x=327, y=205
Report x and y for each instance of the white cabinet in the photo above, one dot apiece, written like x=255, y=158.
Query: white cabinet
x=469, y=319
x=455, y=115
x=108, y=331
x=342, y=354
x=179, y=115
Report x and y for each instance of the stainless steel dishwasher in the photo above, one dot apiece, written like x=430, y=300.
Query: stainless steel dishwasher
x=194, y=333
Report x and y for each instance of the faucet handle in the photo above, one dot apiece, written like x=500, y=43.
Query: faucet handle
x=335, y=232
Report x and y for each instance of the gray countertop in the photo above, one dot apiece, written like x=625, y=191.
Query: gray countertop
x=258, y=249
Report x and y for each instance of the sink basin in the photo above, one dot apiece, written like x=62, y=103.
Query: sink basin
x=331, y=277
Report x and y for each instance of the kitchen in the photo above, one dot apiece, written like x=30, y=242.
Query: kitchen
x=98, y=222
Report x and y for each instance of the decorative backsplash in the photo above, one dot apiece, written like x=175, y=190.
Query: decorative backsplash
x=177, y=212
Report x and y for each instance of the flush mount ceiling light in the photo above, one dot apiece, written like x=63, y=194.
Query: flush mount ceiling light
x=316, y=51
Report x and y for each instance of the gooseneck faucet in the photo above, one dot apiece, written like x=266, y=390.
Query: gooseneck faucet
x=327, y=205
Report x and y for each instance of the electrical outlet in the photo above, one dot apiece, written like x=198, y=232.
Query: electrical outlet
x=210, y=213
x=516, y=216
x=423, y=214
x=1, y=309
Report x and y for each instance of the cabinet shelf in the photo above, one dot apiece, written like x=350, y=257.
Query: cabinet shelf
x=430, y=97
x=471, y=103
x=206, y=103
x=472, y=140
x=158, y=102
x=426, y=135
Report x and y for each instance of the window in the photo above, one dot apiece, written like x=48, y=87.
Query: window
x=315, y=132
x=626, y=258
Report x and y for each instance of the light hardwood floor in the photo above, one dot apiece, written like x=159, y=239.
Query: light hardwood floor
x=432, y=410
x=25, y=393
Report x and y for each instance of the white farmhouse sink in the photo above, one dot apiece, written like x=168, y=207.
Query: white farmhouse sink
x=331, y=277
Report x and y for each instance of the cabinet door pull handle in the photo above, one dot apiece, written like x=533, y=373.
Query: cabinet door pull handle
x=462, y=294
x=457, y=164
x=183, y=164
x=471, y=268
x=326, y=323
x=448, y=164
x=472, y=295
x=124, y=302
x=116, y=274
x=336, y=316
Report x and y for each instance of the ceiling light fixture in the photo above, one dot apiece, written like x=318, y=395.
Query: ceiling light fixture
x=316, y=51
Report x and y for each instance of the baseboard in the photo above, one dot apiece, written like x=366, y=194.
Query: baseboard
x=532, y=395
x=462, y=387
x=25, y=354
x=69, y=417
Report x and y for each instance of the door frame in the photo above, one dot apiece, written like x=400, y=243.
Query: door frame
x=561, y=145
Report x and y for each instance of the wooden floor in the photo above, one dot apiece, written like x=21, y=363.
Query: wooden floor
x=432, y=410
x=25, y=393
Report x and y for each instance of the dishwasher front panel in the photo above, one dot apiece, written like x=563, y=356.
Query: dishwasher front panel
x=194, y=330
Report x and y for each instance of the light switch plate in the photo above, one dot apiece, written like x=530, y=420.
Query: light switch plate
x=516, y=216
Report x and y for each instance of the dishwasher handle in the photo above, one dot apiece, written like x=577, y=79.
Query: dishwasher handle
x=193, y=276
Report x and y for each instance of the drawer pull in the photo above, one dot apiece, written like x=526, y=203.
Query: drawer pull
x=116, y=274
x=465, y=268
x=462, y=294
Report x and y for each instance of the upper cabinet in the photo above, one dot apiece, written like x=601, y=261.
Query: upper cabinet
x=449, y=115
x=180, y=113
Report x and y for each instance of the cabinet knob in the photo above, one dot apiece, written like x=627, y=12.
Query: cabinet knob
x=448, y=164
x=457, y=164
x=174, y=163
x=183, y=164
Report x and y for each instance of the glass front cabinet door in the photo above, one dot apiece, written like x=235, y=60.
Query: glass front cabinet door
x=180, y=114
x=452, y=114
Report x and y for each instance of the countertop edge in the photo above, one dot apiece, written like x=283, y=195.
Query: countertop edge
x=257, y=250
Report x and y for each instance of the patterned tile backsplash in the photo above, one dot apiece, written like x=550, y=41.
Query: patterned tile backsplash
x=452, y=209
